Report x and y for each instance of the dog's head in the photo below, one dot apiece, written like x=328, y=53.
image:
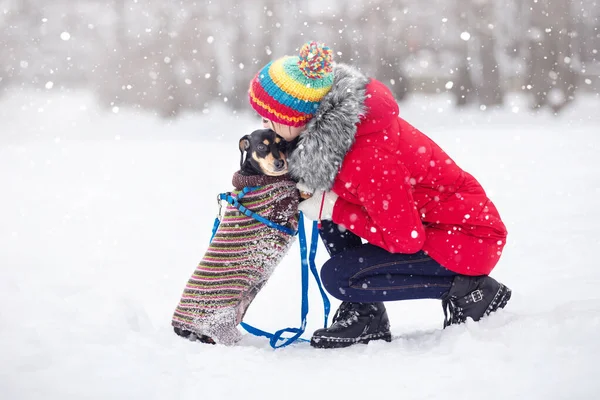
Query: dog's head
x=265, y=153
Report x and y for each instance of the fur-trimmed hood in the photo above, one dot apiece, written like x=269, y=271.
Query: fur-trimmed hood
x=329, y=135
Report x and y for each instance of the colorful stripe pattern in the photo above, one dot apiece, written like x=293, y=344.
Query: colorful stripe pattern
x=289, y=90
x=241, y=256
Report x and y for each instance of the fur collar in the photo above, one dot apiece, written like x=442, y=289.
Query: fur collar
x=329, y=135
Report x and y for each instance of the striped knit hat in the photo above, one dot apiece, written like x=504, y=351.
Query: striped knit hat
x=288, y=90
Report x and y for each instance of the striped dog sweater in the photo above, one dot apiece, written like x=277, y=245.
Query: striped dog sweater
x=239, y=260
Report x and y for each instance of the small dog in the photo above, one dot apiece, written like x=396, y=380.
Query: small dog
x=265, y=154
x=244, y=252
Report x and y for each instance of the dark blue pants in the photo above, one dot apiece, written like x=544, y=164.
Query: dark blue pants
x=365, y=273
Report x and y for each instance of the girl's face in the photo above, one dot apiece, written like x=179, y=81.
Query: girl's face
x=289, y=133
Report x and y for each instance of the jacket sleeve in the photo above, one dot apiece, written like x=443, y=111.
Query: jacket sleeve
x=386, y=216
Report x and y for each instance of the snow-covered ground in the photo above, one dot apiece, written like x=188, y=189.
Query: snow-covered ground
x=103, y=217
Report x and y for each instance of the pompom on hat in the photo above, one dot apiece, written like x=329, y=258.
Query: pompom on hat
x=289, y=89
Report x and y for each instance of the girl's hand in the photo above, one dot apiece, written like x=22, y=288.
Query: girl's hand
x=319, y=206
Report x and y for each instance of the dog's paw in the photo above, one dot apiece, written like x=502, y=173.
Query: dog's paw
x=221, y=327
x=305, y=191
x=203, y=339
x=193, y=337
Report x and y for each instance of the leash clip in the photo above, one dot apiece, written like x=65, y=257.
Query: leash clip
x=220, y=204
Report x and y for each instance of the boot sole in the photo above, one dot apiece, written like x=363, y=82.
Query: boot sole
x=324, y=342
x=500, y=299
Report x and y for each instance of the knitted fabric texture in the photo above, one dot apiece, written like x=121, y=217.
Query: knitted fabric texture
x=239, y=260
x=289, y=90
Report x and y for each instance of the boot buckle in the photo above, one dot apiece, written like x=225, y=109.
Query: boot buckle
x=475, y=296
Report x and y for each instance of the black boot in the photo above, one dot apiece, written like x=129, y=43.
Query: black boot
x=354, y=323
x=473, y=297
x=193, y=337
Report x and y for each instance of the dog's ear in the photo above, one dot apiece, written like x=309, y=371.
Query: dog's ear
x=244, y=145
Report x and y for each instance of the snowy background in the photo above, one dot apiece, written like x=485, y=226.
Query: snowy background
x=119, y=123
x=104, y=216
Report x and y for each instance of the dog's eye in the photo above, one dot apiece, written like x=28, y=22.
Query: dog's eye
x=261, y=147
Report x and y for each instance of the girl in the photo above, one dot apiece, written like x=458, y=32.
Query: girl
x=432, y=232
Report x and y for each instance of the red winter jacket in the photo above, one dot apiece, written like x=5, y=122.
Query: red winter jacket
x=400, y=191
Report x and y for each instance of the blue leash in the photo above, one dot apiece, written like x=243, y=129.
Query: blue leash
x=306, y=264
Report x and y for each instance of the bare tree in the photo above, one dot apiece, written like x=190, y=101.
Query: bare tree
x=550, y=75
x=463, y=87
x=489, y=88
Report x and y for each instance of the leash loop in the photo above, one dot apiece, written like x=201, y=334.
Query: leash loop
x=307, y=262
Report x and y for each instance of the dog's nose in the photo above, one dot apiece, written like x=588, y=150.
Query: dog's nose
x=279, y=164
